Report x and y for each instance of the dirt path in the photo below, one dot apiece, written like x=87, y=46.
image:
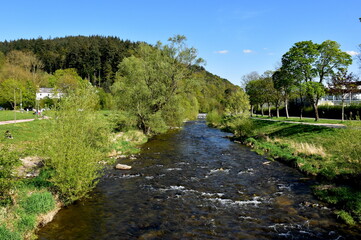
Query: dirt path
x=16, y=121
x=330, y=125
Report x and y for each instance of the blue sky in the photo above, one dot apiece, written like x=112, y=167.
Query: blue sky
x=234, y=37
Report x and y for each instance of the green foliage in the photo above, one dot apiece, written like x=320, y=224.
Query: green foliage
x=8, y=160
x=150, y=81
x=237, y=102
x=13, y=91
x=95, y=58
x=346, y=198
x=306, y=62
x=214, y=118
x=9, y=235
x=346, y=217
x=65, y=80
x=241, y=125
x=42, y=180
x=76, y=142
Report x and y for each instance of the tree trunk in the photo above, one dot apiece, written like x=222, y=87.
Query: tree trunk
x=262, y=113
x=343, y=110
x=315, y=108
x=278, y=111
x=252, y=108
x=286, y=107
x=269, y=110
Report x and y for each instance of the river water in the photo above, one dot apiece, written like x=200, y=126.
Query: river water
x=195, y=183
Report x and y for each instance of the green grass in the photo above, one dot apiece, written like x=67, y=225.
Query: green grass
x=24, y=132
x=9, y=235
x=20, y=220
x=312, y=120
x=7, y=115
x=331, y=154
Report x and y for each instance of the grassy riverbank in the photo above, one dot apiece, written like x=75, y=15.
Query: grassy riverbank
x=332, y=155
x=28, y=201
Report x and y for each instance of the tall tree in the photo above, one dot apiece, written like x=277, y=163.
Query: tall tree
x=255, y=97
x=307, y=62
x=149, y=80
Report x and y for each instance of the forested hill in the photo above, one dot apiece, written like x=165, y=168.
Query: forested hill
x=96, y=58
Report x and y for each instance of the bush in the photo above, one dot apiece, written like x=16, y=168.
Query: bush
x=214, y=118
x=244, y=127
x=77, y=141
x=8, y=160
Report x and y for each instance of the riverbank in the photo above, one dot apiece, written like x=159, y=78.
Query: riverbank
x=29, y=199
x=332, y=155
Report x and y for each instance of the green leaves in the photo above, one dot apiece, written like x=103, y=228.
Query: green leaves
x=76, y=142
x=150, y=82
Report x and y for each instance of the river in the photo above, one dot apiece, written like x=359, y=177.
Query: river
x=195, y=183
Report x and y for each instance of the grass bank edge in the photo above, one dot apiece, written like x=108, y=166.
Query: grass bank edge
x=339, y=188
x=20, y=222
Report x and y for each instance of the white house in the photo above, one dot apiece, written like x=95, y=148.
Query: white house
x=349, y=97
x=47, y=92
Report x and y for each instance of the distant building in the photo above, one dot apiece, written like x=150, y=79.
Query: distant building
x=348, y=97
x=47, y=93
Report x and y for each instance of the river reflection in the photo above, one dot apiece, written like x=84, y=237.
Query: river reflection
x=196, y=184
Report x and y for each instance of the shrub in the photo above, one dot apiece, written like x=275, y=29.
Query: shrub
x=244, y=127
x=8, y=160
x=346, y=217
x=77, y=141
x=214, y=118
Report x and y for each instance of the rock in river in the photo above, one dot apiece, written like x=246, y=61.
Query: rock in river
x=123, y=167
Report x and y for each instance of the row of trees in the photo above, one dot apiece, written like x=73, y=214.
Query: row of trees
x=156, y=86
x=306, y=69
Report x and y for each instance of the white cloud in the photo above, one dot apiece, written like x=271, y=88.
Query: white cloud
x=352, y=53
x=222, y=52
x=247, y=51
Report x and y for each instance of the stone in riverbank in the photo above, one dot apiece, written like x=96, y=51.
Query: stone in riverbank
x=122, y=167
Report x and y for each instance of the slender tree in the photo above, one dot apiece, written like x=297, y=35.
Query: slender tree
x=343, y=84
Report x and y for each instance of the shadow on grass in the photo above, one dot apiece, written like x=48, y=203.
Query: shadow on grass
x=291, y=130
x=281, y=129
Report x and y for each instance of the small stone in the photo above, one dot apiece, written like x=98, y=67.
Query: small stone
x=122, y=166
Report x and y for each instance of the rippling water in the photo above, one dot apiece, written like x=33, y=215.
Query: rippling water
x=196, y=184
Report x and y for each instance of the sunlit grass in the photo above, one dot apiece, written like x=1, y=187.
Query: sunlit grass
x=6, y=115
x=312, y=120
x=333, y=154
